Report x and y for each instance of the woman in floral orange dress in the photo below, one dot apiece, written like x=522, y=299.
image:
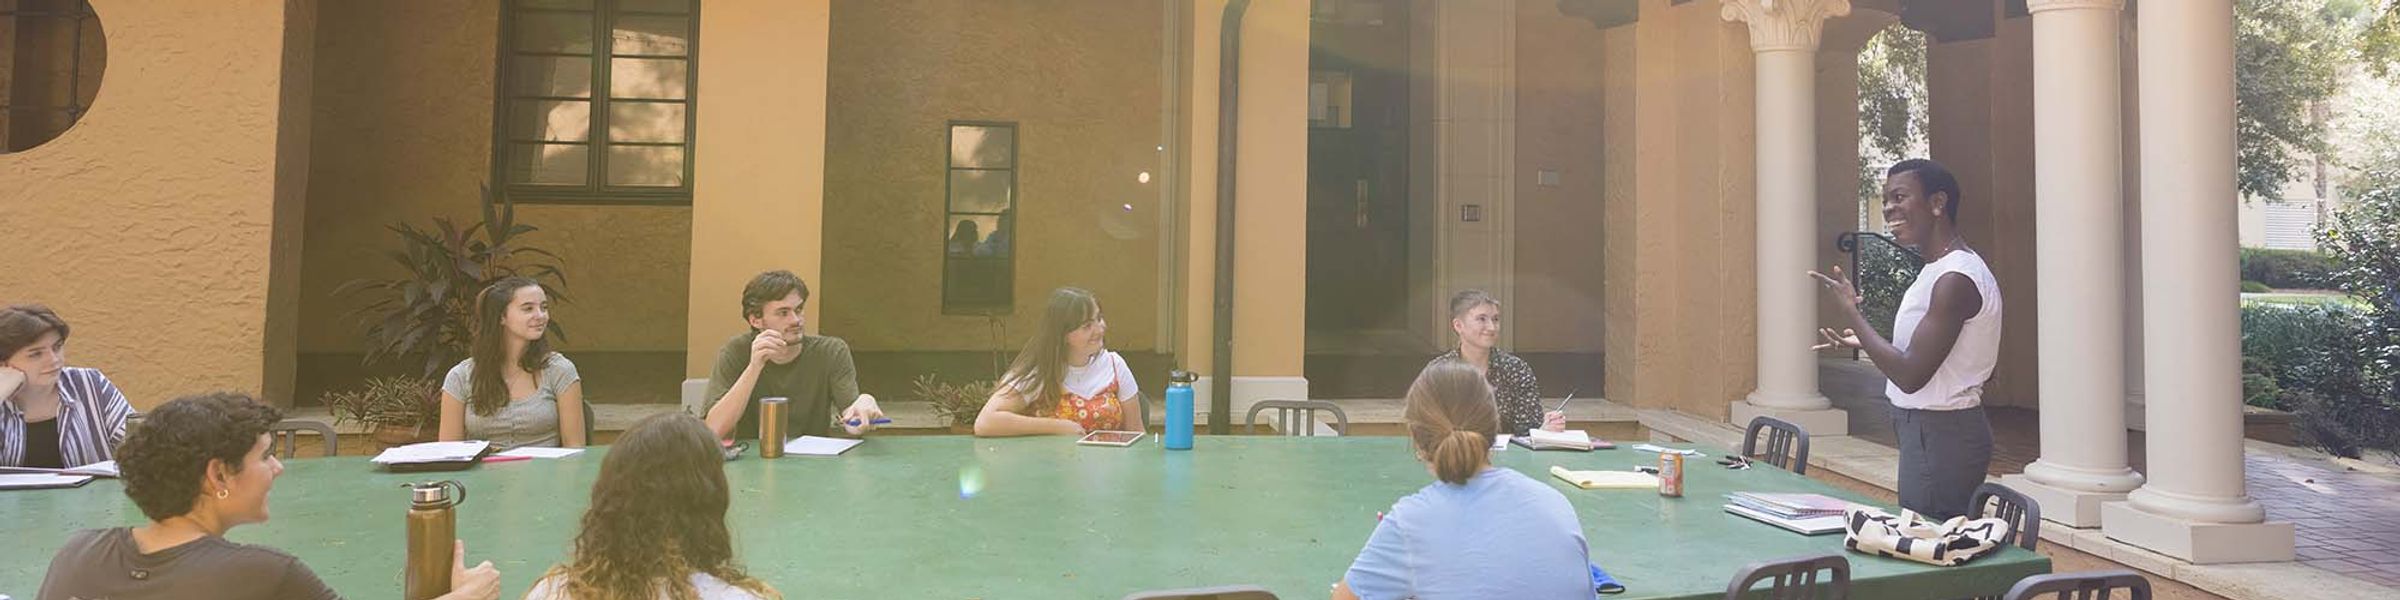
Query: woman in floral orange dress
x=1065, y=382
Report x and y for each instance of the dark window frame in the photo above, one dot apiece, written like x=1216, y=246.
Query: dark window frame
x=595, y=190
x=1007, y=217
x=75, y=108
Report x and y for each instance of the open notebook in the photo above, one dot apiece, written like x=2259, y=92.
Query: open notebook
x=41, y=481
x=1572, y=439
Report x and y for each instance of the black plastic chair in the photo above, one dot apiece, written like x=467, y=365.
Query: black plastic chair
x=287, y=436
x=2087, y=585
x=1299, y=417
x=1787, y=444
x=1795, y=578
x=1226, y=592
x=2024, y=516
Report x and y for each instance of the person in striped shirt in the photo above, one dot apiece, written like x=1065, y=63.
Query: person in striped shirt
x=54, y=415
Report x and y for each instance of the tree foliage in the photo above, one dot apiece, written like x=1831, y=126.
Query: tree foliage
x=2289, y=57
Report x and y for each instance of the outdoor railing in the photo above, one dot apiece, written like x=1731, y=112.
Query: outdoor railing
x=1882, y=269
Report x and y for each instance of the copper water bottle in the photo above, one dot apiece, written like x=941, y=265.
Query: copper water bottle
x=432, y=530
x=770, y=426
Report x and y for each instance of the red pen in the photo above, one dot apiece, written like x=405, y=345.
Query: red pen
x=506, y=458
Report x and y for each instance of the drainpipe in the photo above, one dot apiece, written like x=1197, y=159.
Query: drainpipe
x=1229, y=62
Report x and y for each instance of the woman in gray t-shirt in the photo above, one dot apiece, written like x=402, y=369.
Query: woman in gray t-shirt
x=199, y=466
x=514, y=391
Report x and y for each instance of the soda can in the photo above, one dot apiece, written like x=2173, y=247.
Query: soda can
x=1670, y=474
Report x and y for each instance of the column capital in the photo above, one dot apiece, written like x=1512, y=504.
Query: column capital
x=1783, y=24
x=2036, y=6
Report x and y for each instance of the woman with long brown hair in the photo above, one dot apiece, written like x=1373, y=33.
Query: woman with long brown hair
x=656, y=526
x=1065, y=381
x=1479, y=531
x=512, y=389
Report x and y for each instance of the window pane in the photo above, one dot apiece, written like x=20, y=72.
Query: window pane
x=979, y=191
x=645, y=122
x=982, y=146
x=659, y=78
x=673, y=6
x=655, y=36
x=976, y=235
x=548, y=164
x=554, y=32
x=565, y=4
x=552, y=76
x=645, y=165
x=550, y=121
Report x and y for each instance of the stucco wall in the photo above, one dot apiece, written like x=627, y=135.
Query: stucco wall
x=403, y=135
x=760, y=165
x=1681, y=274
x=1081, y=80
x=1559, y=227
x=149, y=225
x=1271, y=230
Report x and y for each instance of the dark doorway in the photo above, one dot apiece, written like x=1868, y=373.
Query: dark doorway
x=1358, y=168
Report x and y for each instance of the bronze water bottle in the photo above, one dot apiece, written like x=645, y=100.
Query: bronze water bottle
x=432, y=529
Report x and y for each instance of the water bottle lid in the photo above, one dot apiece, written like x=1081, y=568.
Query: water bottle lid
x=435, y=493
x=1184, y=377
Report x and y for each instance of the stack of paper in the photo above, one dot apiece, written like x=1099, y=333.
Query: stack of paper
x=106, y=468
x=1615, y=480
x=809, y=445
x=542, y=452
x=432, y=452
x=1790, y=506
x=38, y=481
x=1573, y=439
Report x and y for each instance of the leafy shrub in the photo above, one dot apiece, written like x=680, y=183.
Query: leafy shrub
x=2286, y=269
x=2253, y=287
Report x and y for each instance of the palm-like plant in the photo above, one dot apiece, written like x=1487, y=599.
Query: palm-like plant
x=428, y=315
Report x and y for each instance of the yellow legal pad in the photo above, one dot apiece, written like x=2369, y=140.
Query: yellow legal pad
x=1606, y=480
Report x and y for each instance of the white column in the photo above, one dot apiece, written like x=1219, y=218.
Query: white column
x=2196, y=506
x=2079, y=245
x=1784, y=34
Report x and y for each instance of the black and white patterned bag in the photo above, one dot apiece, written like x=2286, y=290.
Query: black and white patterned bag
x=1913, y=537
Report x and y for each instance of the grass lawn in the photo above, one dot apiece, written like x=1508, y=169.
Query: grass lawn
x=2305, y=298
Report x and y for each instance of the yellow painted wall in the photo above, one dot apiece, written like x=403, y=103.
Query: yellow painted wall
x=403, y=133
x=1082, y=82
x=1681, y=289
x=1271, y=231
x=760, y=165
x=149, y=224
x=1559, y=229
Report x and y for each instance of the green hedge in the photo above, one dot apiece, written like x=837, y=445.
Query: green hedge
x=2287, y=269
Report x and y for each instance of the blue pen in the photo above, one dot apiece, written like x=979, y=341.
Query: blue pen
x=854, y=422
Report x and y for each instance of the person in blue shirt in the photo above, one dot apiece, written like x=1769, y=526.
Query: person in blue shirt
x=1479, y=532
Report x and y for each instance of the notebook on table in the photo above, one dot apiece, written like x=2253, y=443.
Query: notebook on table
x=106, y=468
x=434, y=456
x=1573, y=439
x=41, y=481
x=1804, y=526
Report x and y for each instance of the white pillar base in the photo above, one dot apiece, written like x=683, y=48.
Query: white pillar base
x=2073, y=508
x=2197, y=542
x=1817, y=422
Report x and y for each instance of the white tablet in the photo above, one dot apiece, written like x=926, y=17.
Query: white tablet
x=1111, y=438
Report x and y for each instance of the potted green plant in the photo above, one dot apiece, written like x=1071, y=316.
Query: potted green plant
x=957, y=404
x=427, y=316
x=395, y=410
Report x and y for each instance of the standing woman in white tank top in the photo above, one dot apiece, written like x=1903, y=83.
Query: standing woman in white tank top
x=1946, y=339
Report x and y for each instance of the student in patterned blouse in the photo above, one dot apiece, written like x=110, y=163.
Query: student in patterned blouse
x=1065, y=382
x=52, y=415
x=1475, y=317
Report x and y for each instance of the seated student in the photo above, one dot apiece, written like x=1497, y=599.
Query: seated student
x=513, y=390
x=776, y=358
x=1065, y=381
x=656, y=526
x=1475, y=317
x=198, y=466
x=1479, y=532
x=52, y=415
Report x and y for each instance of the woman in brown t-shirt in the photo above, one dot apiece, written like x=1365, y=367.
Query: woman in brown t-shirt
x=198, y=466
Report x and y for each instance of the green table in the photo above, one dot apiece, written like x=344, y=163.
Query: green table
x=1050, y=520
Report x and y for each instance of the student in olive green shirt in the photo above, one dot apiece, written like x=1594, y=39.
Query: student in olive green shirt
x=777, y=359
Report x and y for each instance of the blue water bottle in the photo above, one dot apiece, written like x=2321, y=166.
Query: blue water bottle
x=1179, y=410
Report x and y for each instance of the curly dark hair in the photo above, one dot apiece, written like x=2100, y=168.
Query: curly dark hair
x=657, y=516
x=164, y=459
x=769, y=287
